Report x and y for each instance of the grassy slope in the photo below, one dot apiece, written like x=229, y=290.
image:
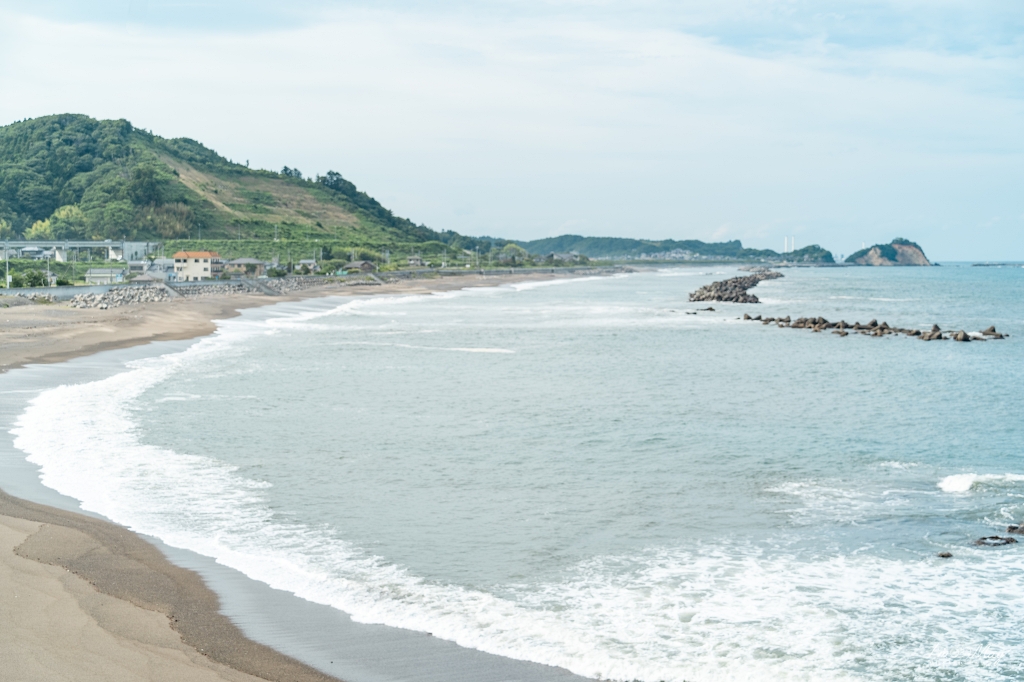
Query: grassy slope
x=107, y=179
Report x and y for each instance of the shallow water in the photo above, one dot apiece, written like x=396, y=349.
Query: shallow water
x=579, y=473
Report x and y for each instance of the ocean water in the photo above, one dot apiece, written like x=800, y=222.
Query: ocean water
x=581, y=474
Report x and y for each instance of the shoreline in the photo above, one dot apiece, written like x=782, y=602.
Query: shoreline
x=52, y=333
x=81, y=561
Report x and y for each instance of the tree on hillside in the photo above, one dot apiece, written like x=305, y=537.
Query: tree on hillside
x=68, y=222
x=40, y=230
x=513, y=254
x=144, y=188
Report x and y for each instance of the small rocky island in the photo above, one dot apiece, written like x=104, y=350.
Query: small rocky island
x=734, y=290
x=897, y=252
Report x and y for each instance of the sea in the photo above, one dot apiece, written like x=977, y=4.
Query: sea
x=593, y=473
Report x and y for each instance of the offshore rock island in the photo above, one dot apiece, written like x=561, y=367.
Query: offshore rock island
x=897, y=252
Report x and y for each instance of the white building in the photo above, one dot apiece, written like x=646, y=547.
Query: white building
x=192, y=266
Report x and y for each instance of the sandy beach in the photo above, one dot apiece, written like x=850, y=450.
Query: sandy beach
x=89, y=600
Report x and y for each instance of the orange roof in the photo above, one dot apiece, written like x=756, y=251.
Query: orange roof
x=196, y=254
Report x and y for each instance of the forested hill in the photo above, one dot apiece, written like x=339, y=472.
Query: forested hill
x=74, y=177
x=70, y=176
x=617, y=247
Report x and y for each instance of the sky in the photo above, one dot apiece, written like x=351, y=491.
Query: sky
x=834, y=123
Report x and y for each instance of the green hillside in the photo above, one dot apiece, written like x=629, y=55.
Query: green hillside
x=617, y=247
x=74, y=177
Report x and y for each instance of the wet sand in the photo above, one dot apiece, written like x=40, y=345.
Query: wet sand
x=87, y=599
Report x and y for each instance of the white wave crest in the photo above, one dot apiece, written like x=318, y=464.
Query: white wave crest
x=962, y=483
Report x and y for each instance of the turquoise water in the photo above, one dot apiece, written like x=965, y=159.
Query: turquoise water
x=580, y=473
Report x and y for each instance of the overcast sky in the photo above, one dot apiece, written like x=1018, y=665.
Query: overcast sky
x=839, y=123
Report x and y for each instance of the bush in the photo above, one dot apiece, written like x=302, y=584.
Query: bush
x=35, y=278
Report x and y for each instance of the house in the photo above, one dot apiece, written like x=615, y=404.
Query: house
x=105, y=275
x=192, y=266
x=251, y=267
x=309, y=263
x=161, y=269
x=359, y=266
x=416, y=261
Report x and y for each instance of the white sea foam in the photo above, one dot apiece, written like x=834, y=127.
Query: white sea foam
x=962, y=483
x=680, y=272
x=898, y=465
x=526, y=286
x=716, y=611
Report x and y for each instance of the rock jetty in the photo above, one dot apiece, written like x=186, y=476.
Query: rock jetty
x=119, y=297
x=734, y=290
x=876, y=329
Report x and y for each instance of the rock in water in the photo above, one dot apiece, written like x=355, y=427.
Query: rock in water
x=995, y=541
x=733, y=290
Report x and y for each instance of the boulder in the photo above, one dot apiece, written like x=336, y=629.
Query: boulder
x=995, y=541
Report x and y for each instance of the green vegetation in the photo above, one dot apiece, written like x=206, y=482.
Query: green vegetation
x=667, y=249
x=26, y=272
x=810, y=254
x=887, y=251
x=73, y=177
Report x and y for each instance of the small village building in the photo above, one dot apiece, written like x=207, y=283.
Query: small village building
x=250, y=267
x=161, y=269
x=310, y=264
x=416, y=261
x=193, y=266
x=359, y=266
x=105, y=275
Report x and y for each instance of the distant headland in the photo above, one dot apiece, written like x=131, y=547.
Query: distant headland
x=897, y=252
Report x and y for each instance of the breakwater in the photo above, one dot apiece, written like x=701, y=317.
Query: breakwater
x=877, y=329
x=734, y=290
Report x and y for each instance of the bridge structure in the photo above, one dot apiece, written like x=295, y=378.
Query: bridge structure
x=116, y=250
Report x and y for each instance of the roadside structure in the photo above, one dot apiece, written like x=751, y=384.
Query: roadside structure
x=253, y=267
x=193, y=266
x=359, y=266
x=105, y=275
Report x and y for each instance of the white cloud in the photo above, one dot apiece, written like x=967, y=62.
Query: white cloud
x=542, y=123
